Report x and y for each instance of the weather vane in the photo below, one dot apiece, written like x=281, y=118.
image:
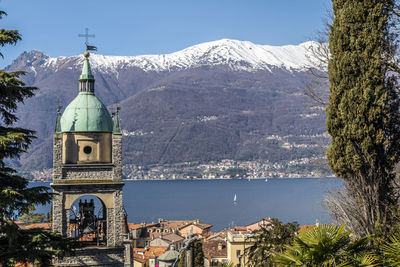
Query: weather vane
x=87, y=35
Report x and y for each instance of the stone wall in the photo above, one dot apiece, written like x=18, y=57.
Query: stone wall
x=104, y=179
x=110, y=227
x=119, y=218
x=59, y=222
x=109, y=194
x=98, y=256
x=115, y=221
x=87, y=173
x=117, y=156
x=57, y=156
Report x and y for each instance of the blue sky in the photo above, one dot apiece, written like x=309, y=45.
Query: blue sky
x=133, y=27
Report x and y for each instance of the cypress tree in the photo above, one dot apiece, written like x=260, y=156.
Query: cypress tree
x=16, y=198
x=363, y=110
x=182, y=259
x=198, y=255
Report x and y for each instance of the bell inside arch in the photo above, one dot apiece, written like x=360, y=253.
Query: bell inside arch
x=88, y=221
x=89, y=229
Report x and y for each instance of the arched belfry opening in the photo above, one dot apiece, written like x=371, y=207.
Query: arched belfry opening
x=88, y=221
x=87, y=178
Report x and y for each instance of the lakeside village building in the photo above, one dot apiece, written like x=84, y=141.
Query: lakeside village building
x=88, y=205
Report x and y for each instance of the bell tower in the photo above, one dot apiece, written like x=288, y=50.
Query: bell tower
x=87, y=178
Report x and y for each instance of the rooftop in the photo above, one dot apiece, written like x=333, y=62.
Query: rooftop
x=170, y=255
x=154, y=252
x=216, y=236
x=44, y=226
x=214, y=249
x=198, y=224
x=172, y=237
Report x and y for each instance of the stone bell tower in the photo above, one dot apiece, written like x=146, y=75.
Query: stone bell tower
x=87, y=162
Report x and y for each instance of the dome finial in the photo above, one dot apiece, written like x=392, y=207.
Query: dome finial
x=86, y=78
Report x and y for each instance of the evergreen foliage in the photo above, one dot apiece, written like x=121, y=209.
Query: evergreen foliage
x=326, y=245
x=363, y=111
x=269, y=241
x=182, y=259
x=198, y=255
x=226, y=264
x=391, y=250
x=32, y=217
x=16, y=245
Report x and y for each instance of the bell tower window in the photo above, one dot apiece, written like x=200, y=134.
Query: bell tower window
x=87, y=150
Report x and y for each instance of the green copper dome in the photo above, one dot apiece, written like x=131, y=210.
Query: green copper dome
x=86, y=113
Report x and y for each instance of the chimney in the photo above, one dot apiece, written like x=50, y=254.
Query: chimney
x=219, y=246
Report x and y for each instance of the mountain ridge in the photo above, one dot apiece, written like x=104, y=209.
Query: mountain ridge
x=219, y=103
x=221, y=52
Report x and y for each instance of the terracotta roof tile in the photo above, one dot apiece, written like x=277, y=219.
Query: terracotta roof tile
x=174, y=224
x=305, y=227
x=215, y=248
x=155, y=235
x=264, y=222
x=240, y=228
x=172, y=237
x=154, y=252
x=132, y=226
x=219, y=235
x=198, y=224
x=44, y=226
x=139, y=258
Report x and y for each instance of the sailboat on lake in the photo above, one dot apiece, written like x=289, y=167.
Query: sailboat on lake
x=234, y=199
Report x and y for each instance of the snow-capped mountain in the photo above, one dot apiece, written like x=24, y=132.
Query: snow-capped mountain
x=238, y=55
x=212, y=101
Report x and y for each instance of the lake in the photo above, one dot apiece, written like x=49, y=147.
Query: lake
x=211, y=201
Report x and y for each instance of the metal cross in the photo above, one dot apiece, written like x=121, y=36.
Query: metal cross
x=86, y=35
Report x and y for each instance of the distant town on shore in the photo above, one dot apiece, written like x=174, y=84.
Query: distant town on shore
x=225, y=169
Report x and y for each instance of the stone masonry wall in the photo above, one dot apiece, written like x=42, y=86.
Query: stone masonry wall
x=59, y=222
x=119, y=217
x=93, y=257
x=91, y=174
x=112, y=255
x=57, y=156
x=110, y=227
x=115, y=221
x=117, y=156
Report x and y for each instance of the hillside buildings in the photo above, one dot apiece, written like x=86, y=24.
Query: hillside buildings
x=155, y=239
x=166, y=240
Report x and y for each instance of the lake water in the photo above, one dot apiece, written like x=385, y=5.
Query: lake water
x=211, y=201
